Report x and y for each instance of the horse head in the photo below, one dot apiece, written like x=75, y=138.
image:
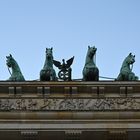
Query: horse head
x=91, y=51
x=10, y=61
x=130, y=59
x=49, y=53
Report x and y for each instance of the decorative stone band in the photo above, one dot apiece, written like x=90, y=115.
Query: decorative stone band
x=70, y=104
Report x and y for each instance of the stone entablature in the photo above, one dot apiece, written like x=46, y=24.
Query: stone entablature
x=70, y=96
x=77, y=88
x=36, y=109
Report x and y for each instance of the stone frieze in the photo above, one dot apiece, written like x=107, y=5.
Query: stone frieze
x=106, y=104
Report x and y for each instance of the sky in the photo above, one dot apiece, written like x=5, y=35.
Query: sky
x=28, y=27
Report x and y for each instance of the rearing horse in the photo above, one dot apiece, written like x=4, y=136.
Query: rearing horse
x=126, y=73
x=16, y=74
x=90, y=71
x=48, y=73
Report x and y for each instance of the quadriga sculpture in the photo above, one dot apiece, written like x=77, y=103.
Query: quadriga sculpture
x=16, y=74
x=126, y=73
x=48, y=73
x=90, y=71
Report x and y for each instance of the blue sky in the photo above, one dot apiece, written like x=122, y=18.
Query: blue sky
x=27, y=27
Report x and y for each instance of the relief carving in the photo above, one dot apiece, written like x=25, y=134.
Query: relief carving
x=107, y=104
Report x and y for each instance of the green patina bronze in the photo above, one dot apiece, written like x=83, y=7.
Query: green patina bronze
x=48, y=73
x=65, y=70
x=126, y=73
x=90, y=71
x=16, y=74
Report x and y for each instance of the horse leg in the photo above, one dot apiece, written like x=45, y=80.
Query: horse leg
x=53, y=75
x=132, y=77
x=119, y=78
x=84, y=74
x=97, y=75
x=44, y=75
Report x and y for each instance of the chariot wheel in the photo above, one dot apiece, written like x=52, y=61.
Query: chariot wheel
x=64, y=75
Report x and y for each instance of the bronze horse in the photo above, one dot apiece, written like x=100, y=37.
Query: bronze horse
x=90, y=71
x=126, y=73
x=48, y=73
x=16, y=74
